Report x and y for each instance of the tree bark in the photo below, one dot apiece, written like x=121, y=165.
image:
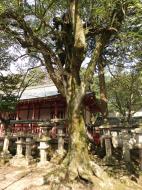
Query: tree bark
x=77, y=161
x=78, y=157
x=103, y=91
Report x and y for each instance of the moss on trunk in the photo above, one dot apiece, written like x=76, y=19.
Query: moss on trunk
x=77, y=157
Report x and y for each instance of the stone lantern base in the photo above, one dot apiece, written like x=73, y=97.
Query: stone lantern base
x=21, y=161
x=43, y=164
x=5, y=157
x=61, y=151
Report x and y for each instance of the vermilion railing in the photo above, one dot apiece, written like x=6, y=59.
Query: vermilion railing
x=26, y=126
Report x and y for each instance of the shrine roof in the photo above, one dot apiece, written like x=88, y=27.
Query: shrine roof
x=39, y=92
x=50, y=93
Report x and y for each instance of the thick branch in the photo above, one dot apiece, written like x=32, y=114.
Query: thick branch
x=31, y=40
x=101, y=41
x=55, y=75
x=79, y=34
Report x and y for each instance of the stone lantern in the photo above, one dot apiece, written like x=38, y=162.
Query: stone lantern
x=60, y=134
x=107, y=140
x=126, y=145
x=19, y=150
x=19, y=159
x=139, y=145
x=43, y=147
x=28, y=144
x=139, y=138
x=5, y=154
x=108, y=148
x=60, y=152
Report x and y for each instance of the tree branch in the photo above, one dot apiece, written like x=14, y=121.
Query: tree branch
x=101, y=41
x=32, y=41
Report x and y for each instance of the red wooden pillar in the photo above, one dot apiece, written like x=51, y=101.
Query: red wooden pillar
x=55, y=110
x=28, y=107
x=39, y=111
x=33, y=112
x=17, y=114
x=37, y=130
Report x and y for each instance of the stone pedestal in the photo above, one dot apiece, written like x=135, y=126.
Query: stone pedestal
x=126, y=147
x=108, y=147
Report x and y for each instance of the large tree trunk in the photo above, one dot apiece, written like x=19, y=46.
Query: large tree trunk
x=78, y=157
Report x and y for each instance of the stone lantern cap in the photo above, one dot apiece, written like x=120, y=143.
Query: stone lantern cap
x=43, y=139
x=107, y=137
x=59, y=121
x=19, y=142
x=28, y=136
x=45, y=127
x=20, y=134
x=61, y=135
x=29, y=140
x=24, y=135
x=46, y=124
x=60, y=126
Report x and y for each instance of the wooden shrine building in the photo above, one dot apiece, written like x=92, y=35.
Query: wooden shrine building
x=42, y=103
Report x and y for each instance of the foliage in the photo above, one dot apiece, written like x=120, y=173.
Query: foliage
x=9, y=91
x=37, y=76
x=125, y=51
x=125, y=93
x=5, y=57
x=13, y=85
x=60, y=34
x=8, y=103
x=39, y=17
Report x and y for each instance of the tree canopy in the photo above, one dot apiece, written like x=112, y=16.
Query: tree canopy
x=61, y=34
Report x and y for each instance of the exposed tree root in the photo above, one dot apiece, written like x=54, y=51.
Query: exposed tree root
x=58, y=157
x=69, y=173
x=84, y=176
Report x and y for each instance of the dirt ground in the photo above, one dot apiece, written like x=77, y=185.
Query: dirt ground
x=12, y=178
x=30, y=178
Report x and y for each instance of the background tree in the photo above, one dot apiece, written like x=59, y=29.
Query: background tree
x=38, y=76
x=122, y=53
x=60, y=34
x=125, y=94
x=13, y=83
